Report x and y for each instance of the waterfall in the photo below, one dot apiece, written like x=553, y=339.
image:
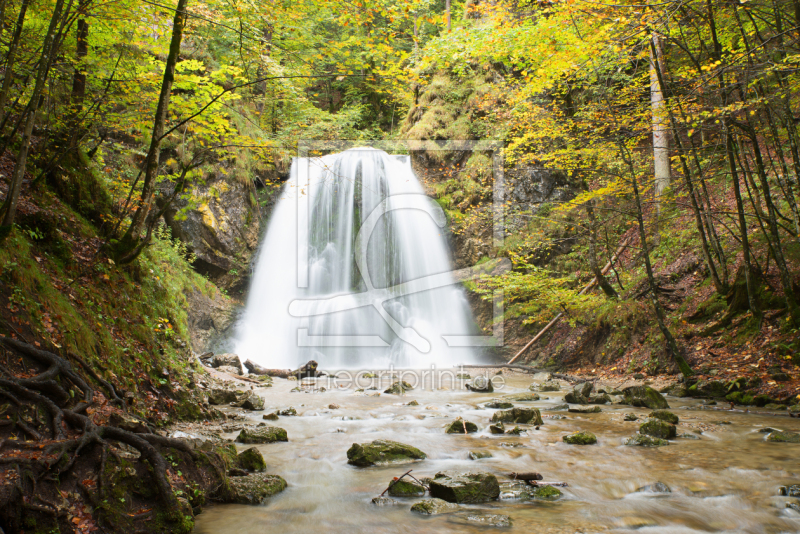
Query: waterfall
x=354, y=272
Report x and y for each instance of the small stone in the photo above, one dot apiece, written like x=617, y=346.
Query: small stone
x=288, y=412
x=492, y=520
x=463, y=376
x=768, y=429
x=630, y=417
x=641, y=440
x=333, y=406
x=549, y=386
x=687, y=435
x=784, y=437
x=412, y=403
x=481, y=384
x=794, y=506
x=773, y=406
x=498, y=404
x=406, y=488
x=645, y=397
x=658, y=487
x=399, y=388
x=546, y=492
x=516, y=431
x=522, y=397
x=600, y=399
x=593, y=409
x=499, y=428
x=383, y=501
x=270, y=417
x=511, y=444
x=790, y=491
x=479, y=455
x=523, y=416
x=580, y=438
x=433, y=507
x=557, y=407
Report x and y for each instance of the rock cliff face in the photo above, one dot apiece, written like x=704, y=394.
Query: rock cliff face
x=210, y=317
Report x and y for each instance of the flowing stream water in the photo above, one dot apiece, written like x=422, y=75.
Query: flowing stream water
x=354, y=272
x=727, y=481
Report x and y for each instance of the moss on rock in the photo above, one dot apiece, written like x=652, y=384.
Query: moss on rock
x=465, y=487
x=523, y=416
x=645, y=397
x=658, y=429
x=382, y=452
x=263, y=434
x=251, y=460
x=580, y=438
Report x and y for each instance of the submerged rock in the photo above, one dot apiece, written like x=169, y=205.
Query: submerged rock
x=479, y=455
x=412, y=403
x=642, y=440
x=593, y=409
x=459, y=425
x=665, y=415
x=254, y=488
x=790, y=491
x=263, y=434
x=406, y=488
x=658, y=487
x=433, y=507
x=784, y=437
x=465, y=487
x=499, y=428
x=549, y=493
x=398, y=388
x=383, y=501
x=382, y=452
x=287, y=412
x=521, y=397
x=687, y=435
x=645, y=397
x=523, y=416
x=491, y=520
x=558, y=407
x=252, y=460
x=580, y=438
x=658, y=429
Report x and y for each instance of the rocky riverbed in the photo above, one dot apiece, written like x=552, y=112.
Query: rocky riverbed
x=689, y=467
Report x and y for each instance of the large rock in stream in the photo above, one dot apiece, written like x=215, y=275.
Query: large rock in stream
x=579, y=394
x=464, y=487
x=382, y=452
x=262, y=434
x=433, y=507
x=256, y=487
x=522, y=416
x=658, y=429
x=645, y=397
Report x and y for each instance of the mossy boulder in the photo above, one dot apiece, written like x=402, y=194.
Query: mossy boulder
x=658, y=429
x=458, y=426
x=499, y=428
x=480, y=384
x=547, y=493
x=497, y=404
x=221, y=396
x=523, y=416
x=256, y=487
x=603, y=398
x=251, y=459
x=665, y=415
x=522, y=397
x=398, y=388
x=630, y=417
x=784, y=437
x=642, y=440
x=270, y=417
x=580, y=438
x=676, y=390
x=709, y=388
x=465, y=487
x=406, y=488
x=382, y=452
x=644, y=397
x=262, y=434
x=251, y=402
x=547, y=386
x=433, y=507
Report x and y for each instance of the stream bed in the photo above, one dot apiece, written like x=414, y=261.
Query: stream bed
x=725, y=481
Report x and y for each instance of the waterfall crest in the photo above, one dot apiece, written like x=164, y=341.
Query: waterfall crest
x=354, y=271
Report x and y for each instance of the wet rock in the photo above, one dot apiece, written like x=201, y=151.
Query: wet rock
x=220, y=396
x=230, y=370
x=645, y=397
x=490, y=520
x=412, y=403
x=642, y=440
x=256, y=487
x=463, y=376
x=549, y=386
x=333, y=406
x=522, y=397
x=479, y=455
x=544, y=376
x=676, y=390
x=790, y=491
x=270, y=417
x=287, y=412
x=558, y=407
x=511, y=444
x=708, y=402
x=251, y=402
x=516, y=431
x=458, y=426
x=773, y=406
x=433, y=507
x=556, y=417
x=480, y=384
x=406, y=488
x=499, y=428
x=600, y=399
x=580, y=438
x=264, y=434
x=768, y=429
x=465, y=487
x=658, y=487
x=630, y=417
x=708, y=388
x=128, y=422
x=784, y=437
x=579, y=394
x=546, y=492
x=383, y=501
x=369, y=375
x=794, y=409
x=523, y=416
x=658, y=429
x=227, y=360
x=794, y=506
x=498, y=404
x=382, y=452
x=688, y=435
x=399, y=388
x=665, y=415
x=593, y=409
x=251, y=460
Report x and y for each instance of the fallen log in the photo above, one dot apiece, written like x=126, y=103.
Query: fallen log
x=256, y=369
x=540, y=483
x=524, y=368
x=525, y=476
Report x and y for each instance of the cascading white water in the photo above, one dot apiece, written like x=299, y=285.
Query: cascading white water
x=351, y=242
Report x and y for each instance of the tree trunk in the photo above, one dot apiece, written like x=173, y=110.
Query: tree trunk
x=130, y=241
x=660, y=129
x=447, y=12
x=12, y=55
